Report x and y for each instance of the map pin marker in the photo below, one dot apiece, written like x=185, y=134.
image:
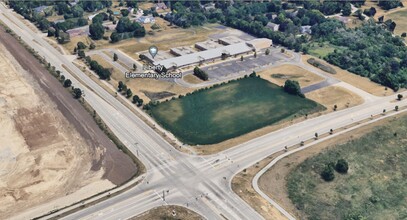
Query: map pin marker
x=153, y=51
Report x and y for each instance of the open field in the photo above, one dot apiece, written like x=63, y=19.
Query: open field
x=164, y=38
x=369, y=169
x=335, y=95
x=166, y=213
x=400, y=17
x=360, y=82
x=228, y=111
x=52, y=153
x=279, y=74
x=321, y=50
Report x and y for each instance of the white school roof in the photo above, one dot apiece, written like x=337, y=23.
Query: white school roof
x=185, y=60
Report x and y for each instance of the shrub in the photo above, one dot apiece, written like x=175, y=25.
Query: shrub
x=321, y=66
x=342, y=166
x=200, y=74
x=328, y=173
x=293, y=87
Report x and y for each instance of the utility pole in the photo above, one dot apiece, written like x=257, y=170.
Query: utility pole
x=163, y=195
x=136, y=144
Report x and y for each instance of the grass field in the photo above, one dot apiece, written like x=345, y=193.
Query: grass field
x=375, y=186
x=321, y=50
x=231, y=110
x=400, y=17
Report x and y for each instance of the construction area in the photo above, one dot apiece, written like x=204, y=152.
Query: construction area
x=52, y=152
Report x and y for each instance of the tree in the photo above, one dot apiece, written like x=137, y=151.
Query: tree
x=140, y=102
x=67, y=83
x=347, y=9
x=134, y=67
x=124, y=88
x=399, y=97
x=404, y=34
x=342, y=166
x=129, y=93
x=115, y=57
x=77, y=93
x=63, y=37
x=135, y=99
x=200, y=73
x=81, y=46
x=81, y=54
x=396, y=108
x=267, y=51
x=381, y=19
x=92, y=46
x=241, y=58
x=293, y=87
x=328, y=173
x=120, y=86
x=316, y=136
x=96, y=31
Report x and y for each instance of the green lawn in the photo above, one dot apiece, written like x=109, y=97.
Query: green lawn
x=375, y=186
x=321, y=50
x=230, y=110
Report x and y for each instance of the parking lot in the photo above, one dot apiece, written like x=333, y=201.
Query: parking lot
x=237, y=67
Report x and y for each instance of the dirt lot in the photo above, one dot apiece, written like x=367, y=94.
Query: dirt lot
x=192, y=79
x=280, y=74
x=166, y=212
x=335, y=95
x=273, y=182
x=52, y=152
x=353, y=79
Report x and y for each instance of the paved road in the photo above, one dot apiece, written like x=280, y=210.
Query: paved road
x=202, y=183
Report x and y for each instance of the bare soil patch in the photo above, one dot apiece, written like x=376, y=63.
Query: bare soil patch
x=353, y=79
x=53, y=153
x=280, y=74
x=335, y=95
x=171, y=212
x=192, y=79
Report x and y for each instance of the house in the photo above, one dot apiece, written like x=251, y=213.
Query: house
x=73, y=3
x=40, y=9
x=209, y=6
x=306, y=29
x=59, y=21
x=90, y=17
x=146, y=19
x=160, y=6
x=273, y=26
